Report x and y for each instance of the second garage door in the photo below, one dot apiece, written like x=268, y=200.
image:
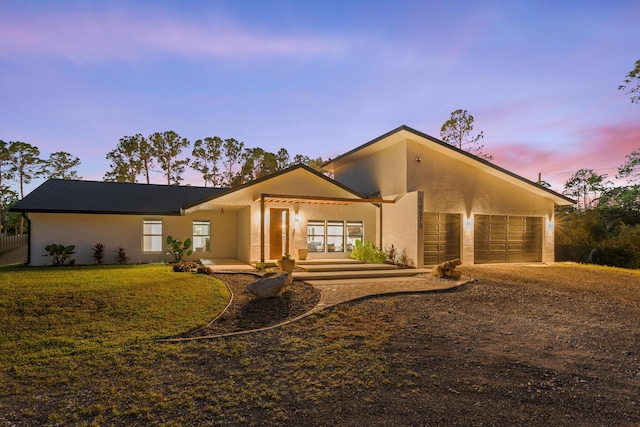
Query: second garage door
x=502, y=238
x=441, y=237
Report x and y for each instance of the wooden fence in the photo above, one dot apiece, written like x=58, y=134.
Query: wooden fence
x=14, y=249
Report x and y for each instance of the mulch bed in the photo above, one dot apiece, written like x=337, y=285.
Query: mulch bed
x=246, y=312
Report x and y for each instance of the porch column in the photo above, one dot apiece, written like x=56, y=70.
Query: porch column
x=262, y=228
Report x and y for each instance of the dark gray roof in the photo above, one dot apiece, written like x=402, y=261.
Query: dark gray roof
x=68, y=196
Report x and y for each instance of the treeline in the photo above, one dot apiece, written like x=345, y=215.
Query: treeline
x=20, y=163
x=604, y=227
x=220, y=162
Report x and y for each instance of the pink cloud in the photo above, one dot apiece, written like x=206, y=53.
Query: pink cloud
x=602, y=149
x=92, y=36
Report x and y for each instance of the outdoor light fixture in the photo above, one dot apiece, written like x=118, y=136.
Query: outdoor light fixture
x=550, y=226
x=468, y=224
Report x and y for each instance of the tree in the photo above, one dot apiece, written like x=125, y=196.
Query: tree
x=251, y=164
x=632, y=84
x=126, y=160
x=457, y=132
x=25, y=163
x=166, y=148
x=60, y=165
x=206, y=155
x=8, y=220
x=232, y=150
x=586, y=186
x=282, y=159
x=7, y=196
x=631, y=167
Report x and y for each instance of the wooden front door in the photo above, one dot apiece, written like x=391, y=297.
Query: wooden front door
x=278, y=233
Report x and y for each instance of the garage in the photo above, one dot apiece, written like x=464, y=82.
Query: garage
x=441, y=237
x=503, y=238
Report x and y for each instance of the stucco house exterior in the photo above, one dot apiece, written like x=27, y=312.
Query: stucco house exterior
x=404, y=188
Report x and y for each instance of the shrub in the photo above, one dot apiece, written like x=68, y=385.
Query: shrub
x=98, y=253
x=121, y=256
x=368, y=252
x=185, y=266
x=612, y=256
x=59, y=254
x=177, y=249
x=203, y=270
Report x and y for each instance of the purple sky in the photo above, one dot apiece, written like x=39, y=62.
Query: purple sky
x=320, y=78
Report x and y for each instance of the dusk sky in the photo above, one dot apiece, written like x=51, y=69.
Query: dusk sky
x=320, y=78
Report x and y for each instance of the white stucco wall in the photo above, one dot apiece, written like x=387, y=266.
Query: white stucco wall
x=449, y=184
x=364, y=212
x=400, y=221
x=384, y=171
x=113, y=231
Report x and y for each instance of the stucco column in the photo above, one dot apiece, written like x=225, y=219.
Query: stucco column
x=468, y=235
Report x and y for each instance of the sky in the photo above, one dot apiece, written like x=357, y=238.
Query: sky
x=320, y=78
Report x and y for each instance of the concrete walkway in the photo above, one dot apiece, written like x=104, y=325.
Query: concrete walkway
x=333, y=292
x=338, y=291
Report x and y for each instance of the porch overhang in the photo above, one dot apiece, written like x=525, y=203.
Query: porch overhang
x=320, y=200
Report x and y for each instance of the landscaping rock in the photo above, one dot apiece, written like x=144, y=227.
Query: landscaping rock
x=271, y=286
x=447, y=269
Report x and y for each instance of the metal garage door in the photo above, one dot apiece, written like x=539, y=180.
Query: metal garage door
x=501, y=238
x=441, y=237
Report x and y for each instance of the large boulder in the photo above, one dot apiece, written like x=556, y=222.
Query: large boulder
x=271, y=286
x=447, y=269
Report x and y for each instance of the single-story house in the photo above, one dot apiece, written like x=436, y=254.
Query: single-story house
x=404, y=188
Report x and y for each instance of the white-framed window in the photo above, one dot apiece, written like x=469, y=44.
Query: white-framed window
x=333, y=235
x=152, y=235
x=201, y=236
x=315, y=236
x=354, y=232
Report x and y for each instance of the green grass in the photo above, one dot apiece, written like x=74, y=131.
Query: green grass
x=78, y=346
x=52, y=312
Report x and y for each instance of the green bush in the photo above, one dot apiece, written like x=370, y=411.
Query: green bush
x=368, y=252
x=59, y=254
x=177, y=249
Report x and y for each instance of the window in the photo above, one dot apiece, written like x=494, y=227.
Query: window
x=315, y=236
x=335, y=236
x=152, y=235
x=201, y=235
x=354, y=232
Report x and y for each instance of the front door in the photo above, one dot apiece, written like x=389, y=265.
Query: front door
x=278, y=233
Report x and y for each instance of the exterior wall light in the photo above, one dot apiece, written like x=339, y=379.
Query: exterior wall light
x=550, y=227
x=468, y=224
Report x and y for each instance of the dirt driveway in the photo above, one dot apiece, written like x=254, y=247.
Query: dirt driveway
x=521, y=345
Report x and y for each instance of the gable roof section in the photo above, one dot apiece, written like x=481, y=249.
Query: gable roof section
x=402, y=132
x=97, y=197
x=224, y=192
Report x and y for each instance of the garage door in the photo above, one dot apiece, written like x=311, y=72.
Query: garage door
x=501, y=238
x=441, y=237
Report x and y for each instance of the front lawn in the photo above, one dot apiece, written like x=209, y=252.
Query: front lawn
x=51, y=312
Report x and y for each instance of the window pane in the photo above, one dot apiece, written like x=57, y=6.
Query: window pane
x=201, y=235
x=315, y=236
x=335, y=236
x=152, y=227
x=152, y=244
x=152, y=236
x=354, y=232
